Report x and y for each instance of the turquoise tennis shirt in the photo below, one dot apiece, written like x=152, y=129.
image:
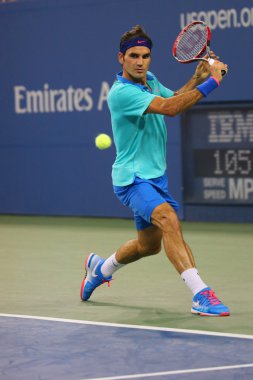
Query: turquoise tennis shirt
x=140, y=139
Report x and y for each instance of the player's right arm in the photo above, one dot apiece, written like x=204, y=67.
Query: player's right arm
x=174, y=105
x=181, y=102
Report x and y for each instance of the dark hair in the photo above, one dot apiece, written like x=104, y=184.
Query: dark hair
x=136, y=31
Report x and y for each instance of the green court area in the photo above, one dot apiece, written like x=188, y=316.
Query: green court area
x=42, y=268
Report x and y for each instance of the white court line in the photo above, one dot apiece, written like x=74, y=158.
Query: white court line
x=179, y=372
x=140, y=327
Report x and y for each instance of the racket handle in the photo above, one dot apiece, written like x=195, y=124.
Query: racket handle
x=211, y=62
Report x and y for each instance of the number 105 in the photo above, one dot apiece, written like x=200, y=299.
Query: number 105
x=233, y=162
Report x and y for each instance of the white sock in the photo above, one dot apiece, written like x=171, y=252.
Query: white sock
x=110, y=266
x=193, y=280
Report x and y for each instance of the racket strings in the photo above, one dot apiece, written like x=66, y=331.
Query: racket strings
x=191, y=43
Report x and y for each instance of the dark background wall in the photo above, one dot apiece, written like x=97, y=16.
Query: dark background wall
x=67, y=50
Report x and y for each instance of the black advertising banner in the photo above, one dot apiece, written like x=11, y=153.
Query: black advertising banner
x=218, y=154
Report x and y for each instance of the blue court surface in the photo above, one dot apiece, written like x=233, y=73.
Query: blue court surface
x=51, y=349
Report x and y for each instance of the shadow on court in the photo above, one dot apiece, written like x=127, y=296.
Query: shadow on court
x=149, y=315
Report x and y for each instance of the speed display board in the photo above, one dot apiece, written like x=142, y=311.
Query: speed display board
x=217, y=146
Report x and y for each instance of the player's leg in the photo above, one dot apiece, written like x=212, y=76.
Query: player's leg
x=190, y=255
x=178, y=252
x=141, y=198
x=148, y=243
x=205, y=301
x=99, y=270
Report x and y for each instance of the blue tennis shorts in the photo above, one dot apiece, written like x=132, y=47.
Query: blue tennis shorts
x=143, y=196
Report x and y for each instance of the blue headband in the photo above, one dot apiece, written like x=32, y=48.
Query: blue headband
x=138, y=41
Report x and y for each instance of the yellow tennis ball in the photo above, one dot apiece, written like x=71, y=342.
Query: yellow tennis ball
x=103, y=141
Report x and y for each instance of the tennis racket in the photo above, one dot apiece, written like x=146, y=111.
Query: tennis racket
x=192, y=43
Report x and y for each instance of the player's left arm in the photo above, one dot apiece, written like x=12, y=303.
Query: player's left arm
x=201, y=73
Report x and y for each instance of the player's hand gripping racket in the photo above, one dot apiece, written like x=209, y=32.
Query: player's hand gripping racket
x=192, y=42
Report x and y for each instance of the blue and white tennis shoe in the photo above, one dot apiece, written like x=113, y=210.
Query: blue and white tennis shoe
x=206, y=303
x=93, y=277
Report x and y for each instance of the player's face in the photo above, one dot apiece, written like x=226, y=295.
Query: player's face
x=135, y=63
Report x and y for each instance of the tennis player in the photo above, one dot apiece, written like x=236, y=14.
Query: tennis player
x=138, y=103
